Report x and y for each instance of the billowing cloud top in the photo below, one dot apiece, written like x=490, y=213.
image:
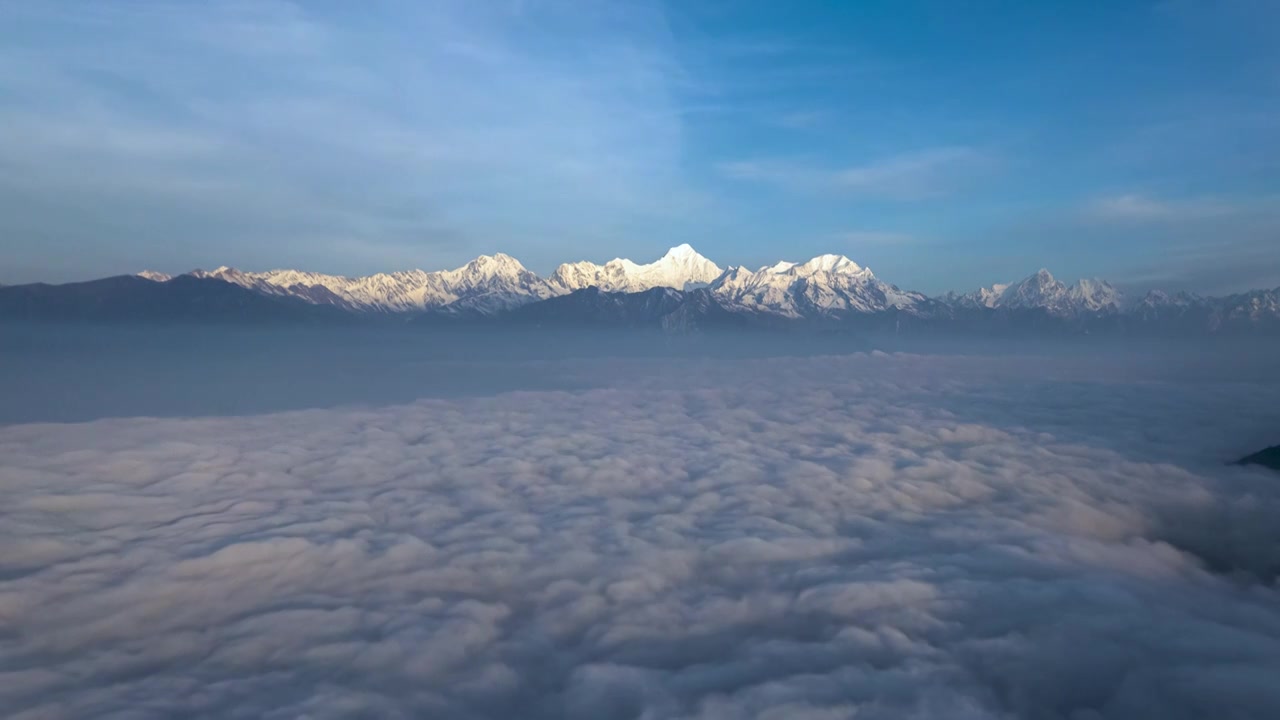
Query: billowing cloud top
x=871, y=536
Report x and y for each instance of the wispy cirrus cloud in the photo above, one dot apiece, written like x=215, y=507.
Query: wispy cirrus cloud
x=800, y=119
x=279, y=133
x=1211, y=244
x=1142, y=208
x=916, y=175
x=864, y=238
x=1206, y=243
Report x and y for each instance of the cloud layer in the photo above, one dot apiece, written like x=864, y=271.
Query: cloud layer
x=879, y=536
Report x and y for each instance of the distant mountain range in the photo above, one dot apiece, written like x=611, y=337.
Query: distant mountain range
x=130, y=298
x=1267, y=457
x=681, y=291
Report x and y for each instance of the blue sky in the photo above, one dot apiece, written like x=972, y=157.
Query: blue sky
x=945, y=144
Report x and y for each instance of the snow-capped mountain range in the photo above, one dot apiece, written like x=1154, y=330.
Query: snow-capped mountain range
x=684, y=289
x=825, y=285
x=1043, y=290
x=490, y=283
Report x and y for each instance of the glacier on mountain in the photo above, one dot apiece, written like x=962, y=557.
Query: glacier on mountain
x=682, y=268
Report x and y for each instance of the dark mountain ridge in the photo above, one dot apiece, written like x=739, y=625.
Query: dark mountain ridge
x=184, y=299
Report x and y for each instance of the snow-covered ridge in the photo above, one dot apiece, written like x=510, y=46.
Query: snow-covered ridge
x=681, y=268
x=1043, y=291
x=825, y=287
x=488, y=284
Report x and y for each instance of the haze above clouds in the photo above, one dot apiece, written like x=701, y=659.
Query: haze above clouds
x=870, y=535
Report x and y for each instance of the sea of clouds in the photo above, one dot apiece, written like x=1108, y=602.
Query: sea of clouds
x=869, y=536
